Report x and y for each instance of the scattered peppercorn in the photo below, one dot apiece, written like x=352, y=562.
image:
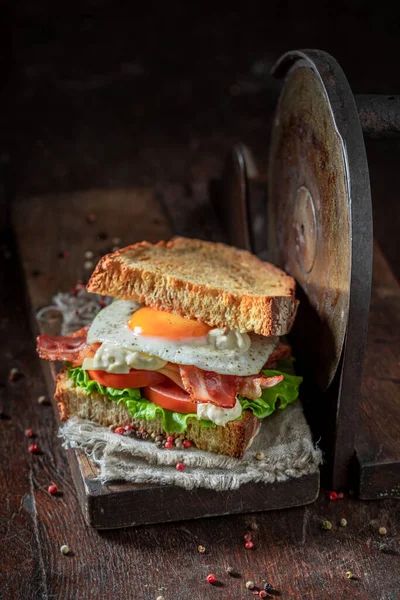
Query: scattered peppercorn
x=52, y=489
x=28, y=433
x=230, y=570
x=91, y=218
x=116, y=241
x=211, y=578
x=119, y=430
x=87, y=265
x=382, y=530
x=268, y=588
x=64, y=549
x=247, y=537
x=178, y=444
x=160, y=598
x=180, y=466
x=170, y=438
x=42, y=400
x=159, y=444
x=88, y=254
x=333, y=496
x=159, y=438
x=340, y=495
x=326, y=525
x=186, y=443
x=34, y=449
x=260, y=456
x=249, y=545
x=14, y=375
x=201, y=549
x=343, y=522
x=262, y=594
x=250, y=585
x=349, y=575
x=168, y=445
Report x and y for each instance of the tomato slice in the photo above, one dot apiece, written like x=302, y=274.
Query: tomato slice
x=170, y=396
x=134, y=379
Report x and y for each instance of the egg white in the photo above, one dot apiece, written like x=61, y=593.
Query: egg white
x=110, y=325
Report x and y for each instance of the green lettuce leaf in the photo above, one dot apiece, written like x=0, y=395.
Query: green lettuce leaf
x=279, y=396
x=139, y=408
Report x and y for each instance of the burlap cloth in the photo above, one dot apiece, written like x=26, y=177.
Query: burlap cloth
x=284, y=439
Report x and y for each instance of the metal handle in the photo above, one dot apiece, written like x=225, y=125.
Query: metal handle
x=379, y=115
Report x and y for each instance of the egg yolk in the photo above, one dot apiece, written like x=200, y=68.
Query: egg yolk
x=156, y=323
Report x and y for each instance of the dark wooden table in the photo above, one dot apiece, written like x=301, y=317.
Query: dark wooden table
x=102, y=114
x=292, y=550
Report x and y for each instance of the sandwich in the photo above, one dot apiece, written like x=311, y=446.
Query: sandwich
x=189, y=352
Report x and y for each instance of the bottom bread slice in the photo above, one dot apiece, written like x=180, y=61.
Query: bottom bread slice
x=233, y=439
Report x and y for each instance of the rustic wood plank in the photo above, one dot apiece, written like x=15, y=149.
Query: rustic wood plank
x=21, y=563
x=127, y=504
x=291, y=550
x=378, y=441
x=53, y=224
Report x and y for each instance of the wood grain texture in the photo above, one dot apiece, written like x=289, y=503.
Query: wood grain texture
x=291, y=550
x=378, y=441
x=60, y=222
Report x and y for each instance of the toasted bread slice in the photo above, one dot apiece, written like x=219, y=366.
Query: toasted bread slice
x=232, y=440
x=211, y=282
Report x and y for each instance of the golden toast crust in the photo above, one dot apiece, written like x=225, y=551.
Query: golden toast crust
x=211, y=282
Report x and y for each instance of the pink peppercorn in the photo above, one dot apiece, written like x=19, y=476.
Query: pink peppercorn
x=186, y=444
x=129, y=428
x=170, y=438
x=211, y=578
x=33, y=448
x=333, y=496
x=262, y=594
x=119, y=430
x=52, y=489
x=142, y=431
x=340, y=495
x=168, y=445
x=248, y=545
x=28, y=433
x=180, y=466
x=247, y=537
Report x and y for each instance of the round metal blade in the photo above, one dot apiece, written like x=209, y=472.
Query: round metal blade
x=309, y=216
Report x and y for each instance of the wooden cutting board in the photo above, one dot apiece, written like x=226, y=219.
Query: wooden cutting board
x=53, y=233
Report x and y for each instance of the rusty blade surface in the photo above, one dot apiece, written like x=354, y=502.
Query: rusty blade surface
x=309, y=216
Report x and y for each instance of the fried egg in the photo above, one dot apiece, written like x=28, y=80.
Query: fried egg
x=170, y=337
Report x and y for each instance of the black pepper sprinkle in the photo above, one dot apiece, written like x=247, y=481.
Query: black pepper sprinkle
x=268, y=588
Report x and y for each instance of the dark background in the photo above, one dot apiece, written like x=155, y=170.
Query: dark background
x=116, y=94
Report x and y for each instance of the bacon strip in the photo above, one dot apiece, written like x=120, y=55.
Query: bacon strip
x=73, y=347
x=221, y=390
x=251, y=387
x=207, y=386
x=280, y=352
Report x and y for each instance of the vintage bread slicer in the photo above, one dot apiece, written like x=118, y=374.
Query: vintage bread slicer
x=311, y=215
